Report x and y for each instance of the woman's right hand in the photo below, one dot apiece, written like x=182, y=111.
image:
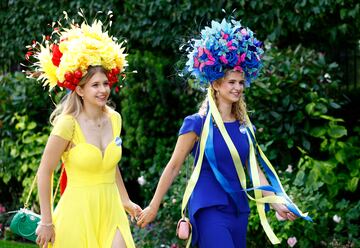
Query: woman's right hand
x=45, y=235
x=147, y=216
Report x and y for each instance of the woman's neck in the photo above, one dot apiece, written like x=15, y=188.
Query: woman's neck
x=94, y=114
x=225, y=111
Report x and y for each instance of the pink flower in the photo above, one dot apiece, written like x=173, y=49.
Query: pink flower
x=230, y=46
x=241, y=58
x=223, y=59
x=200, y=62
x=238, y=68
x=224, y=36
x=292, y=241
x=243, y=32
x=174, y=246
x=2, y=209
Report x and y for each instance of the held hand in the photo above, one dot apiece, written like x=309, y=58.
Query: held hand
x=133, y=209
x=147, y=216
x=283, y=211
x=45, y=235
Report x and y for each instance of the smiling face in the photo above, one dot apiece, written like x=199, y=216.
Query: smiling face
x=230, y=88
x=96, y=91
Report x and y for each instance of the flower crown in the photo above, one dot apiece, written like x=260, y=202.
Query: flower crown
x=65, y=61
x=224, y=46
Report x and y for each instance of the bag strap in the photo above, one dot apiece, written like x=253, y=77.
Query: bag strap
x=26, y=204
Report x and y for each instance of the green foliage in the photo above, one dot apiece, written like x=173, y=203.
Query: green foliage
x=23, y=134
x=283, y=22
x=291, y=97
x=165, y=25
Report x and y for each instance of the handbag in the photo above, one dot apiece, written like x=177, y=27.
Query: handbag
x=183, y=228
x=25, y=221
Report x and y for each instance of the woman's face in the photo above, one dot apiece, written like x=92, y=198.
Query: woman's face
x=230, y=88
x=96, y=91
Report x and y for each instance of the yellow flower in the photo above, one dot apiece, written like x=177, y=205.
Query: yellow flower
x=82, y=46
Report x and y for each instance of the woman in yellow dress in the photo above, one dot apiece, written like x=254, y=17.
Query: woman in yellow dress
x=86, y=137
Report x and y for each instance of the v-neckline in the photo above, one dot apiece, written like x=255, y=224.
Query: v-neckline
x=97, y=148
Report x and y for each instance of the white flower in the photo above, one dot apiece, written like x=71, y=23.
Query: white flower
x=173, y=200
x=292, y=241
x=141, y=180
x=336, y=218
x=289, y=169
x=327, y=77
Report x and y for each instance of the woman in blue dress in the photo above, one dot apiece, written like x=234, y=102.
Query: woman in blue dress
x=220, y=137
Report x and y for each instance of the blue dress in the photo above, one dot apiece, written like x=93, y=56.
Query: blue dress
x=208, y=193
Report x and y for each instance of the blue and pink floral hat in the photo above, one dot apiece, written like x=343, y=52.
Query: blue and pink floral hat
x=225, y=45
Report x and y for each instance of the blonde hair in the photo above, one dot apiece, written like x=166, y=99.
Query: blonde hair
x=238, y=108
x=72, y=103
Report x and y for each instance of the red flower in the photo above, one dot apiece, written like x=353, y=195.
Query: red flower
x=27, y=55
x=56, y=58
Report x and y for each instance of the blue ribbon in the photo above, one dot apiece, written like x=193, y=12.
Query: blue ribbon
x=274, y=182
x=210, y=155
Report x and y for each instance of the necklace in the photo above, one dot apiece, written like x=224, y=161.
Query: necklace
x=97, y=123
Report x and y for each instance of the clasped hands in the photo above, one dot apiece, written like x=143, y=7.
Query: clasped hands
x=149, y=214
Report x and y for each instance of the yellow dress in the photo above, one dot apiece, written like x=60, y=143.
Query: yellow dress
x=90, y=210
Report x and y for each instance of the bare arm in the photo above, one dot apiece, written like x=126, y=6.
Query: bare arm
x=132, y=208
x=53, y=150
x=281, y=209
x=183, y=147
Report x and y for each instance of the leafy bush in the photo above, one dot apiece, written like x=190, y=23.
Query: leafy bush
x=293, y=111
x=24, y=131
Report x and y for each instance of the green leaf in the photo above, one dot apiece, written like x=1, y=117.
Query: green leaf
x=337, y=131
x=299, y=180
x=352, y=184
x=309, y=108
x=318, y=132
x=330, y=118
x=341, y=156
x=31, y=125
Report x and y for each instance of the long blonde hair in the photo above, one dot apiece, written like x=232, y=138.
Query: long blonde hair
x=238, y=108
x=72, y=103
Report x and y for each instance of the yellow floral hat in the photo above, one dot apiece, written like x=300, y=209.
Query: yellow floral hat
x=65, y=61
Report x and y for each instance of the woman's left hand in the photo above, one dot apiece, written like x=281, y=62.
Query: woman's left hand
x=133, y=209
x=283, y=211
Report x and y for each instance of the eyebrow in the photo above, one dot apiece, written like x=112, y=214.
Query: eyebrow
x=234, y=80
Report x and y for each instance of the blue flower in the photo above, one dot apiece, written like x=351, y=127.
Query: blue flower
x=220, y=48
